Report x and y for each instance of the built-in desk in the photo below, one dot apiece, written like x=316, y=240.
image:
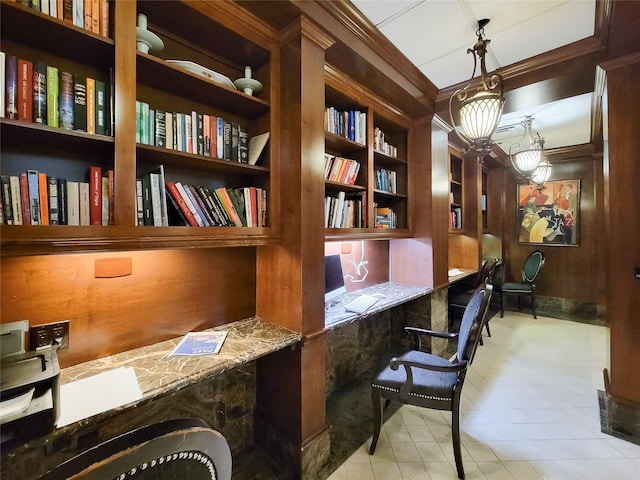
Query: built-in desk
x=457, y=274
x=217, y=388
x=391, y=295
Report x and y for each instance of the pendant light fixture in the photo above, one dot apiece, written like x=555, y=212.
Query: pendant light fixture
x=526, y=155
x=479, y=113
x=541, y=174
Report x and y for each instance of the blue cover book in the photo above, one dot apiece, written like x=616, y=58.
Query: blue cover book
x=201, y=343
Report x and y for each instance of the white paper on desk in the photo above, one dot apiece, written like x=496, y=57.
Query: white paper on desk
x=99, y=393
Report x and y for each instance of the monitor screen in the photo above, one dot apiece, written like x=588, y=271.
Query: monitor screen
x=333, y=278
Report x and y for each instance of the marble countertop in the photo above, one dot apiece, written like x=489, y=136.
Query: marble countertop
x=159, y=373
x=390, y=293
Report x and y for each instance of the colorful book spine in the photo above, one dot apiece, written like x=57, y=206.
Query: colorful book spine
x=53, y=109
x=6, y=199
x=105, y=200
x=43, y=194
x=16, y=199
x=25, y=202
x=66, y=101
x=95, y=195
x=85, y=203
x=25, y=90
x=11, y=87
x=39, y=114
x=52, y=190
x=91, y=105
x=184, y=208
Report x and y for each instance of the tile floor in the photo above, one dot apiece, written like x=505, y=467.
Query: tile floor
x=529, y=411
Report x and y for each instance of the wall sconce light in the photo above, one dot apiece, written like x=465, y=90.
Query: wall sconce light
x=479, y=114
x=526, y=157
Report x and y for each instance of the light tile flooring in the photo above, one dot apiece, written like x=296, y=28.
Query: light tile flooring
x=529, y=411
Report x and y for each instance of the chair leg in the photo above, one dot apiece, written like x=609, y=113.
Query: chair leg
x=455, y=434
x=377, y=418
x=486, y=325
x=501, y=305
x=533, y=305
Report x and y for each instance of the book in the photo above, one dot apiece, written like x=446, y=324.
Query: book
x=194, y=131
x=85, y=203
x=101, y=108
x=201, y=216
x=235, y=145
x=39, y=109
x=187, y=133
x=147, y=203
x=189, y=204
x=104, y=18
x=11, y=87
x=6, y=199
x=156, y=210
x=243, y=144
x=66, y=101
x=3, y=62
x=179, y=199
x=219, y=137
x=200, y=343
x=88, y=12
x=78, y=13
x=43, y=194
x=139, y=203
x=95, y=16
x=112, y=193
x=62, y=201
x=95, y=195
x=175, y=215
x=16, y=199
x=91, y=104
x=53, y=109
x=25, y=202
x=206, y=135
x=256, y=147
x=226, y=140
x=201, y=206
x=200, y=134
x=73, y=203
x=169, y=124
x=34, y=196
x=160, y=132
x=67, y=11
x=138, y=118
x=25, y=90
x=145, y=135
x=79, y=104
x=52, y=190
x=228, y=205
x=237, y=198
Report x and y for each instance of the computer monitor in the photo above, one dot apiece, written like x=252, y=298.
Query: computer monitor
x=333, y=278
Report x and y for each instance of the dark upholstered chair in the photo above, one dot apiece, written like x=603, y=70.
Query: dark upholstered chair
x=530, y=270
x=172, y=450
x=429, y=381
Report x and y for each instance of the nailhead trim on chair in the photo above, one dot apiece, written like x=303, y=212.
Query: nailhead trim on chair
x=192, y=455
x=428, y=397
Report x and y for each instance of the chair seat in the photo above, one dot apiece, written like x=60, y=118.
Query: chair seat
x=426, y=383
x=516, y=287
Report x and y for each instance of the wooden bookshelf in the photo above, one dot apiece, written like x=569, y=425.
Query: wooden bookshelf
x=209, y=36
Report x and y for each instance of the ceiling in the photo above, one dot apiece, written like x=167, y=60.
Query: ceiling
x=435, y=35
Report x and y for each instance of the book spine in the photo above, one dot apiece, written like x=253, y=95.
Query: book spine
x=237, y=198
x=206, y=135
x=220, y=137
x=194, y=201
x=169, y=122
x=243, y=144
x=208, y=205
x=43, y=195
x=177, y=134
x=161, y=129
x=147, y=204
x=67, y=11
x=105, y=201
x=78, y=13
x=11, y=81
x=101, y=108
x=194, y=131
x=95, y=25
x=91, y=105
x=226, y=141
x=104, y=18
x=202, y=207
x=235, y=145
x=139, y=203
x=85, y=203
x=6, y=199
x=138, y=119
x=190, y=205
x=44, y=6
x=177, y=196
x=95, y=195
x=188, y=133
x=88, y=20
x=175, y=214
x=53, y=119
x=34, y=196
x=156, y=209
x=200, y=134
x=39, y=113
x=73, y=203
x=80, y=104
x=3, y=82
x=152, y=126
x=144, y=123
x=225, y=199
x=25, y=90
x=52, y=190
x=16, y=199
x=66, y=101
x=25, y=202
x=62, y=201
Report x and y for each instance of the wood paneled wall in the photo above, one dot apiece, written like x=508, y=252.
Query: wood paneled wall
x=167, y=294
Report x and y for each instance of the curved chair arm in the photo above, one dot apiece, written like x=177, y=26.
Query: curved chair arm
x=407, y=386
x=423, y=331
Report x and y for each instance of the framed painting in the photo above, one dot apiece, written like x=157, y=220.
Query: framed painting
x=549, y=214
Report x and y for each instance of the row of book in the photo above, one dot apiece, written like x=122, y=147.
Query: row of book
x=193, y=132
x=161, y=203
x=351, y=124
x=384, y=217
x=340, y=169
x=40, y=93
x=35, y=198
x=92, y=15
x=380, y=144
x=345, y=210
x=386, y=180
x=455, y=218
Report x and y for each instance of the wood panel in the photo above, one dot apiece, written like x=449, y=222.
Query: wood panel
x=168, y=294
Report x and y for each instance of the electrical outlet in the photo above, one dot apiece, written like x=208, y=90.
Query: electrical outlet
x=43, y=336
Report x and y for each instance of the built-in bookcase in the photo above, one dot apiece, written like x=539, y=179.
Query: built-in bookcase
x=202, y=34
x=456, y=191
x=381, y=184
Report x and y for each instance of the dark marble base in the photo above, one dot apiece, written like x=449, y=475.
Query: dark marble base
x=561, y=308
x=618, y=419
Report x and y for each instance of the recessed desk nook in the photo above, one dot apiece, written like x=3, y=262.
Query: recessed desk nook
x=220, y=389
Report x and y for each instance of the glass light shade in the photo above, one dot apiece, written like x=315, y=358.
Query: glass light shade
x=480, y=114
x=526, y=161
x=541, y=174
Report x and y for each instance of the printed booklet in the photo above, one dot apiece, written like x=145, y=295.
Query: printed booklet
x=200, y=343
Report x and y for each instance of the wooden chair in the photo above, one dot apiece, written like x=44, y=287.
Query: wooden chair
x=430, y=381
x=171, y=450
x=530, y=270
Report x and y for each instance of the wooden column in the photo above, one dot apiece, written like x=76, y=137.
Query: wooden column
x=621, y=109
x=290, y=289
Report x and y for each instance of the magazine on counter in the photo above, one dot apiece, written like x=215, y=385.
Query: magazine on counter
x=201, y=343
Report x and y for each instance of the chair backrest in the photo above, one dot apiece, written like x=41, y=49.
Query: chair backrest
x=532, y=266
x=485, y=272
x=175, y=449
x=473, y=321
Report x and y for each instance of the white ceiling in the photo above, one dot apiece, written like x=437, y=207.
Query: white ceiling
x=435, y=35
